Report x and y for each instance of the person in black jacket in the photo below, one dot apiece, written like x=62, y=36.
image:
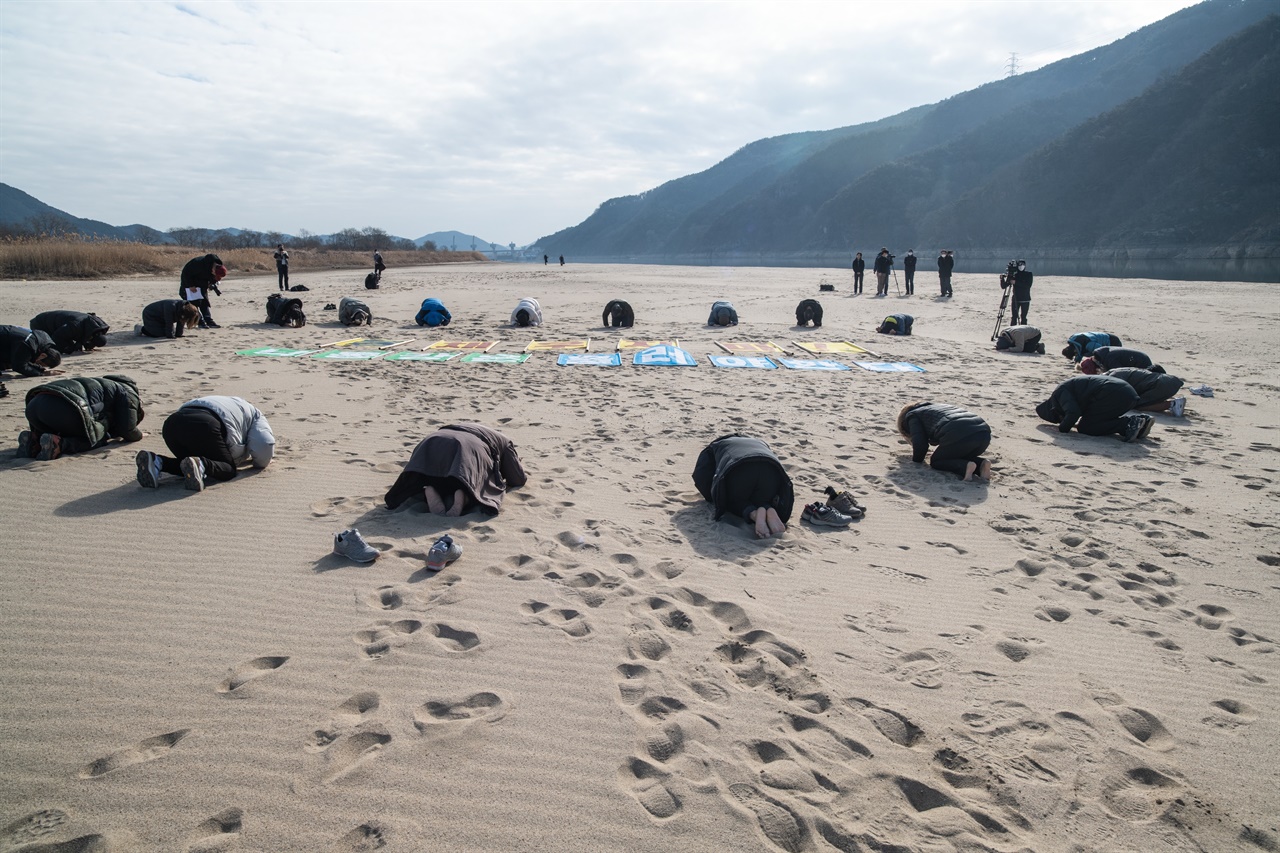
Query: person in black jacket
x=909, y=261
x=282, y=266
x=881, y=266
x=1021, y=285
x=809, y=311
x=946, y=263
x=896, y=324
x=72, y=331
x=618, y=314
x=741, y=476
x=961, y=438
x=30, y=352
x=1109, y=358
x=167, y=318
x=859, y=267
x=74, y=415
x=1157, y=390
x=198, y=277
x=1096, y=405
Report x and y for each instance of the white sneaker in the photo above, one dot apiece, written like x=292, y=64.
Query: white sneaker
x=350, y=544
x=1178, y=408
x=137, y=330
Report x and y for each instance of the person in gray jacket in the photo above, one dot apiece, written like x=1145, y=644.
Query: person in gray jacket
x=723, y=314
x=209, y=437
x=961, y=438
x=1020, y=339
x=354, y=312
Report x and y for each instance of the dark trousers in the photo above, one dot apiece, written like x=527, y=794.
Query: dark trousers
x=752, y=484
x=1021, y=305
x=1107, y=424
x=956, y=456
x=944, y=281
x=909, y=281
x=282, y=273
x=857, y=281
x=195, y=431
x=54, y=414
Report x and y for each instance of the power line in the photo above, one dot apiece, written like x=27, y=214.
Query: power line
x=1011, y=67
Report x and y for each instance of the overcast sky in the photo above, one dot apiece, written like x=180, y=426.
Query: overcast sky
x=505, y=120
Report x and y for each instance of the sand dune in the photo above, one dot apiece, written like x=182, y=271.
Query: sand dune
x=1078, y=656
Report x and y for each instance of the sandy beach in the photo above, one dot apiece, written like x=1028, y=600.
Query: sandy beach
x=1079, y=655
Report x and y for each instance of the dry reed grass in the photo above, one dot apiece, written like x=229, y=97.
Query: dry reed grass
x=69, y=258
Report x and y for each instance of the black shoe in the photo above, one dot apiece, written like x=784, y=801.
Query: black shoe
x=1133, y=428
x=213, y=325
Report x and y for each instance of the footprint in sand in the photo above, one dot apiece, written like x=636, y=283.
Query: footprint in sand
x=648, y=784
x=1143, y=726
x=483, y=707
x=644, y=641
x=1230, y=714
x=361, y=839
x=346, y=716
x=32, y=827
x=894, y=726
x=780, y=771
x=143, y=751
x=84, y=844
x=377, y=641
x=243, y=673
x=455, y=639
x=352, y=752
x=570, y=621
x=631, y=678
x=1052, y=613
x=216, y=832
x=776, y=822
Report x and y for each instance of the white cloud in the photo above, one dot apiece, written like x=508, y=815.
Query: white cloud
x=508, y=120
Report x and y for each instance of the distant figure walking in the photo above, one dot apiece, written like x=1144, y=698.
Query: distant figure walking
x=946, y=263
x=546, y=259
x=378, y=265
x=881, y=267
x=562, y=260
x=282, y=266
x=909, y=271
x=859, y=267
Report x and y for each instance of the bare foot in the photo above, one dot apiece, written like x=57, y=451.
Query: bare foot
x=970, y=468
x=434, y=502
x=984, y=470
x=762, y=524
x=774, y=521
x=459, y=501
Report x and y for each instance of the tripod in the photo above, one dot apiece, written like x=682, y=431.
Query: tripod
x=894, y=270
x=1005, y=289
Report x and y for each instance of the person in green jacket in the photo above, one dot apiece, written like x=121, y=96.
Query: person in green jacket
x=74, y=415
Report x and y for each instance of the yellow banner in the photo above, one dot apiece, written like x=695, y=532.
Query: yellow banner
x=742, y=348
x=558, y=346
x=467, y=346
x=624, y=345
x=827, y=347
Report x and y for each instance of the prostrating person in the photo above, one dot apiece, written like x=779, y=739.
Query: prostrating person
x=1082, y=344
x=527, y=313
x=742, y=477
x=809, y=311
x=618, y=314
x=460, y=468
x=896, y=324
x=167, y=318
x=433, y=313
x=723, y=314
x=354, y=312
x=1096, y=405
x=69, y=416
x=1020, y=339
x=1109, y=358
x=29, y=352
x=961, y=438
x=1157, y=390
x=72, y=331
x=210, y=438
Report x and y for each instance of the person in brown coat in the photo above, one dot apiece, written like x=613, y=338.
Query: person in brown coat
x=459, y=468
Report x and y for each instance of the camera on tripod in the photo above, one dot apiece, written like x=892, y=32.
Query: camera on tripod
x=891, y=259
x=1010, y=272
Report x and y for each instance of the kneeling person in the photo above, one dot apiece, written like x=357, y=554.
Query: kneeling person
x=354, y=312
x=433, y=313
x=741, y=476
x=1096, y=405
x=459, y=468
x=896, y=324
x=618, y=314
x=809, y=311
x=1020, y=339
x=27, y=351
x=74, y=415
x=72, y=331
x=723, y=314
x=961, y=438
x=1157, y=390
x=209, y=437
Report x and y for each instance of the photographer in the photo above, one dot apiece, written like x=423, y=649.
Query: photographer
x=199, y=276
x=884, y=261
x=1019, y=278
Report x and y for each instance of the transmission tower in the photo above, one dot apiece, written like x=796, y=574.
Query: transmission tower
x=1011, y=67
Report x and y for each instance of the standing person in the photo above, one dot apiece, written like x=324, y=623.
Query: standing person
x=1096, y=405
x=546, y=259
x=946, y=262
x=882, y=263
x=1021, y=293
x=282, y=266
x=198, y=276
x=210, y=437
x=961, y=437
x=26, y=351
x=459, y=468
x=909, y=271
x=74, y=415
x=859, y=267
x=378, y=265
x=741, y=476
x=562, y=260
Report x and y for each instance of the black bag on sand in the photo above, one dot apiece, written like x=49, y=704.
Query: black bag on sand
x=299, y=288
x=371, y=281
x=826, y=286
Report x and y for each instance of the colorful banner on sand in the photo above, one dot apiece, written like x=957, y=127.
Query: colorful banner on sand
x=664, y=355
x=591, y=359
x=751, y=348
x=420, y=356
x=462, y=346
x=275, y=352
x=558, y=346
x=349, y=355
x=755, y=362
x=829, y=347
x=496, y=357
x=375, y=343
x=890, y=366
x=812, y=364
x=625, y=345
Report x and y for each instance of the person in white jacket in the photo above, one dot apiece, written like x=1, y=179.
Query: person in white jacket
x=210, y=437
x=527, y=313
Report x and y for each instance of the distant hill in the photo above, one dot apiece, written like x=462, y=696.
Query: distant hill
x=458, y=240
x=901, y=181
x=20, y=211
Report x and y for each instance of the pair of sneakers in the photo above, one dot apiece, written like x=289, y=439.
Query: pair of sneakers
x=1139, y=427
x=149, y=471
x=350, y=544
x=845, y=503
x=49, y=446
x=821, y=515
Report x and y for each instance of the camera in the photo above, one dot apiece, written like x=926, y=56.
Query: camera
x=892, y=257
